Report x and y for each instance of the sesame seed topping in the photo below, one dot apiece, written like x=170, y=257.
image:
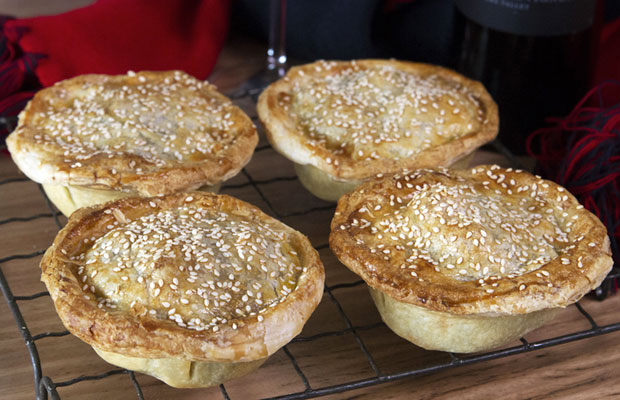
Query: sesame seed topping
x=188, y=265
x=150, y=122
x=465, y=225
x=363, y=113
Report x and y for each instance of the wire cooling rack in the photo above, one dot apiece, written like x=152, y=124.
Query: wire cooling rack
x=46, y=388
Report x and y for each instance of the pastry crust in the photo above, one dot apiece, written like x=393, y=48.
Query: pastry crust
x=69, y=198
x=355, y=119
x=458, y=333
x=487, y=241
x=182, y=373
x=145, y=133
x=325, y=187
x=195, y=276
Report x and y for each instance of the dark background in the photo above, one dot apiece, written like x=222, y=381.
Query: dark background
x=419, y=30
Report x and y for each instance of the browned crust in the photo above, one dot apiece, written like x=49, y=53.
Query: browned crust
x=286, y=139
x=441, y=293
x=149, y=337
x=48, y=164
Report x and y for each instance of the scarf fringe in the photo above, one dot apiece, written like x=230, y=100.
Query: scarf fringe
x=18, y=82
x=582, y=153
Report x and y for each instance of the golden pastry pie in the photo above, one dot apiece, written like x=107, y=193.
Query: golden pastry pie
x=341, y=123
x=192, y=288
x=96, y=138
x=468, y=260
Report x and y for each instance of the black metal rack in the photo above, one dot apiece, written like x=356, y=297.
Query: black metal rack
x=46, y=388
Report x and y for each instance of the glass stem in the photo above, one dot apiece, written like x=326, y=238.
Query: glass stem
x=276, y=53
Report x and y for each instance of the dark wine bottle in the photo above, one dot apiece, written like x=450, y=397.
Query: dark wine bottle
x=534, y=57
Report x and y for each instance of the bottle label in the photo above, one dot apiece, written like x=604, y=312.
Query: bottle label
x=531, y=17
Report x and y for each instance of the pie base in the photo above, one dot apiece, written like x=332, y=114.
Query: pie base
x=323, y=185
x=326, y=187
x=69, y=198
x=433, y=330
x=181, y=373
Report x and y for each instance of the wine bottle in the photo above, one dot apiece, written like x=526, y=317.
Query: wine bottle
x=534, y=57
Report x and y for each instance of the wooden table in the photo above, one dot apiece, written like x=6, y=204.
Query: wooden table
x=584, y=369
